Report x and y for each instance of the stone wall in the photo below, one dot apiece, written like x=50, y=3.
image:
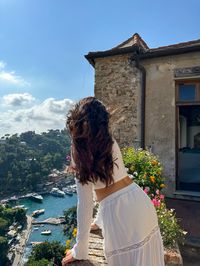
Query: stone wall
x=117, y=84
x=96, y=254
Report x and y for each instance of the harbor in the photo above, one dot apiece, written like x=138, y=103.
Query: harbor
x=44, y=221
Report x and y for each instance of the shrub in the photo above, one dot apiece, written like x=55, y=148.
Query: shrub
x=146, y=171
x=144, y=167
x=53, y=251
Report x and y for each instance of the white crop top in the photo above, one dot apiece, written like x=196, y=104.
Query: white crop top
x=85, y=204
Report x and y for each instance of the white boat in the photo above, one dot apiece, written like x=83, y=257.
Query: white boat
x=38, y=212
x=36, y=197
x=73, y=188
x=19, y=207
x=68, y=191
x=57, y=192
x=36, y=243
x=46, y=232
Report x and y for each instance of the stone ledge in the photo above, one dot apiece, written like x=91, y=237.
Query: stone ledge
x=96, y=254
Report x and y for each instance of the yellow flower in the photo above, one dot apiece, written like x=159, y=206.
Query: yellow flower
x=154, y=162
x=152, y=178
x=74, y=233
x=68, y=243
x=162, y=185
x=66, y=250
x=145, y=175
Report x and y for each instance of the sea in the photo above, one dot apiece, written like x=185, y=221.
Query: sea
x=54, y=207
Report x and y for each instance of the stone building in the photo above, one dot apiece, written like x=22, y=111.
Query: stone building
x=154, y=98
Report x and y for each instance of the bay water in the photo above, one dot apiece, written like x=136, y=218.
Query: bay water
x=54, y=207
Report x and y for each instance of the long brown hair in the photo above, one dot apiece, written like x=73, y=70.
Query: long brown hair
x=88, y=124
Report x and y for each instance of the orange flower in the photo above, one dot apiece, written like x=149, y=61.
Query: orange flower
x=154, y=162
x=152, y=178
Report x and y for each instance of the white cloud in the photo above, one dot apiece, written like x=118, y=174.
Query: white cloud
x=50, y=114
x=2, y=64
x=9, y=77
x=18, y=99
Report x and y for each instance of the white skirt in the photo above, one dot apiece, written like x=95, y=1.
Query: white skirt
x=129, y=225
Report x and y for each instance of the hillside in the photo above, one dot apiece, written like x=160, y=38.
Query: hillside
x=28, y=158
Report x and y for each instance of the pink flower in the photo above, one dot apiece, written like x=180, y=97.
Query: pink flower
x=156, y=202
x=68, y=158
x=162, y=197
x=146, y=190
x=157, y=191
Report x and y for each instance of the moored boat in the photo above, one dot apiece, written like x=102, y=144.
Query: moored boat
x=38, y=212
x=36, y=197
x=46, y=232
x=68, y=191
x=57, y=192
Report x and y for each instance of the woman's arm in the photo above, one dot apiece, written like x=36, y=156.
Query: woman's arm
x=84, y=219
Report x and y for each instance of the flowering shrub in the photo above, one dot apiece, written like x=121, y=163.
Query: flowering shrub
x=70, y=228
x=144, y=168
x=146, y=171
x=70, y=242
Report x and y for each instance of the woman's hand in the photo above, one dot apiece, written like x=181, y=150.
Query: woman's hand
x=68, y=258
x=94, y=227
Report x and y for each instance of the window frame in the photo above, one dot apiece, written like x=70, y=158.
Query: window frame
x=197, y=92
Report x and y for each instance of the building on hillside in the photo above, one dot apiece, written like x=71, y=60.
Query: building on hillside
x=154, y=98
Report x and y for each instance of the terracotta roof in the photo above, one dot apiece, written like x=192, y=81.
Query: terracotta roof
x=135, y=40
x=138, y=45
x=178, y=45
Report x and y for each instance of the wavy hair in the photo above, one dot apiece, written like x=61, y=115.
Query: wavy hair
x=88, y=124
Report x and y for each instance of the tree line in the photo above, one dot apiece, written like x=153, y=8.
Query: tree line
x=27, y=159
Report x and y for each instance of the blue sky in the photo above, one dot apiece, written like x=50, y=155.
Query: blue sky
x=43, y=43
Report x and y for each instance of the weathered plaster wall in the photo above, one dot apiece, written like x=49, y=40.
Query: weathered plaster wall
x=117, y=84
x=160, y=108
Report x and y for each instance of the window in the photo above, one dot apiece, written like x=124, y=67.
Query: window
x=188, y=91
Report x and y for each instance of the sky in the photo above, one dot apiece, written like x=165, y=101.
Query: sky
x=43, y=70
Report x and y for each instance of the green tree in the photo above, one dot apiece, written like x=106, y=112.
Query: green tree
x=3, y=251
x=49, y=251
x=3, y=226
x=42, y=262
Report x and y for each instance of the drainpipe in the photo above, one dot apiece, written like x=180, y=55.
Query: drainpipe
x=135, y=59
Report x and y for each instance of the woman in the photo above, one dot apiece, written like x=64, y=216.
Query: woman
x=126, y=215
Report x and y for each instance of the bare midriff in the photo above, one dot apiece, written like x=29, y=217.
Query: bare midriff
x=102, y=193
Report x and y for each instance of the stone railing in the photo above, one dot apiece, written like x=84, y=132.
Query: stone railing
x=96, y=255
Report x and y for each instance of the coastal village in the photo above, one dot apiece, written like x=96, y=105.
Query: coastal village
x=99, y=133
x=154, y=163
x=60, y=184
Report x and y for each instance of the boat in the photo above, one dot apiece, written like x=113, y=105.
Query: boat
x=36, y=243
x=36, y=197
x=57, y=192
x=19, y=207
x=73, y=188
x=46, y=232
x=38, y=212
x=68, y=191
